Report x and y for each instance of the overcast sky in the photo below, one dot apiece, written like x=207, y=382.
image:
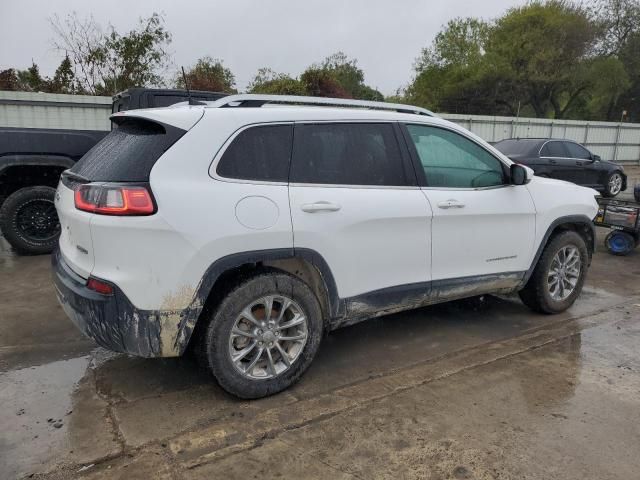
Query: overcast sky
x=287, y=35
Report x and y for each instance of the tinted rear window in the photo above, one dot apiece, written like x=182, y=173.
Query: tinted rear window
x=348, y=154
x=554, y=149
x=577, y=151
x=128, y=153
x=259, y=153
x=517, y=147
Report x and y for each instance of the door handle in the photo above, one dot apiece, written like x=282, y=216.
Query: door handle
x=451, y=204
x=552, y=162
x=579, y=164
x=320, y=207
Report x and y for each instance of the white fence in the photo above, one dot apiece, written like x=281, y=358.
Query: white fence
x=612, y=141
x=49, y=110
x=618, y=142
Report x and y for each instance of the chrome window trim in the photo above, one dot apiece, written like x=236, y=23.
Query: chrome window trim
x=342, y=185
x=563, y=158
x=471, y=189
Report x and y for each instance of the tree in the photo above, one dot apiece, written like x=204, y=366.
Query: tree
x=106, y=63
x=460, y=44
x=540, y=47
x=8, y=79
x=451, y=75
x=322, y=83
x=532, y=57
x=30, y=80
x=269, y=82
x=346, y=72
x=618, y=20
x=64, y=78
x=608, y=81
x=208, y=74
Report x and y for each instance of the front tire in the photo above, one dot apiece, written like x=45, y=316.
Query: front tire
x=263, y=335
x=29, y=221
x=559, y=276
x=614, y=185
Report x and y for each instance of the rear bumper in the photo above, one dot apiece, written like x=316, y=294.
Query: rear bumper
x=115, y=324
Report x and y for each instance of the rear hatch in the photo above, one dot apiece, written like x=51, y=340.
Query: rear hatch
x=108, y=179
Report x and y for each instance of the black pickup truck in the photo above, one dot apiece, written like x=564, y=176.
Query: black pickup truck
x=32, y=159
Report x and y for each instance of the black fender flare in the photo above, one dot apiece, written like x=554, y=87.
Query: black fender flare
x=235, y=260
x=565, y=220
x=33, y=160
x=190, y=315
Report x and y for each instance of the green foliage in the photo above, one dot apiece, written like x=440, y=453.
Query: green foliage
x=63, y=80
x=9, y=80
x=547, y=58
x=106, y=63
x=539, y=59
x=269, y=82
x=461, y=43
x=30, y=80
x=319, y=82
x=338, y=76
x=208, y=74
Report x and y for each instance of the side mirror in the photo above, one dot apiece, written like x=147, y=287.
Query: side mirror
x=595, y=158
x=520, y=175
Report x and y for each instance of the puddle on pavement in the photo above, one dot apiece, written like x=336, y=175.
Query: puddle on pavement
x=157, y=398
x=8, y=256
x=36, y=407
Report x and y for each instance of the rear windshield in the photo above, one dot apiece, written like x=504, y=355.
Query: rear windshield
x=517, y=147
x=128, y=153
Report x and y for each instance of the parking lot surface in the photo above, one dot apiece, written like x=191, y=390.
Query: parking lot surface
x=467, y=390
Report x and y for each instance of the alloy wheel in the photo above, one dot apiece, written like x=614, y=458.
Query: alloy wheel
x=564, y=273
x=615, y=184
x=268, y=337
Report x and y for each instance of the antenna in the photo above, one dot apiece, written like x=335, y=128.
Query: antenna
x=186, y=86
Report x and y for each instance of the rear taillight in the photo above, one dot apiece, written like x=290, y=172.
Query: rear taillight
x=107, y=199
x=99, y=286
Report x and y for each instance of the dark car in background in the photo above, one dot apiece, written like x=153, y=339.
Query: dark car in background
x=566, y=160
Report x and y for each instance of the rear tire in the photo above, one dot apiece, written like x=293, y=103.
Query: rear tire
x=273, y=362
x=553, y=287
x=29, y=221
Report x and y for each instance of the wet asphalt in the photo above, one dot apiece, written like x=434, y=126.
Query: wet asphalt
x=466, y=390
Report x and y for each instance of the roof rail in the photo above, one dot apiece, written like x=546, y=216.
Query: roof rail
x=256, y=100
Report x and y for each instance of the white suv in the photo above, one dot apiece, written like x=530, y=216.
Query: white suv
x=248, y=227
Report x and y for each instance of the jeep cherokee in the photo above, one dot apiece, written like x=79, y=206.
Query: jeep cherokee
x=248, y=227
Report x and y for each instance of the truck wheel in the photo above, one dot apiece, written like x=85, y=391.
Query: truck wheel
x=29, y=220
x=558, y=277
x=263, y=335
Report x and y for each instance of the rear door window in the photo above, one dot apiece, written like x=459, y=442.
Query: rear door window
x=348, y=154
x=577, y=151
x=128, y=153
x=554, y=149
x=258, y=153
